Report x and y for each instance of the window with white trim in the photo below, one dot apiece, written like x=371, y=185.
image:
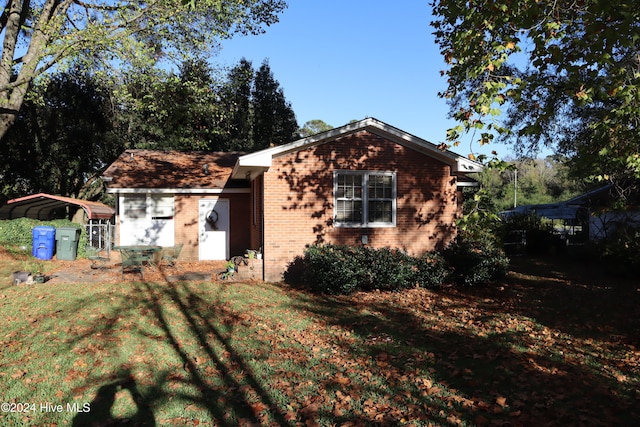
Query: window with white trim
x=148, y=206
x=365, y=199
x=161, y=207
x=135, y=206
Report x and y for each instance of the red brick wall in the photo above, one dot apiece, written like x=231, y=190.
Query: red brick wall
x=298, y=201
x=257, y=193
x=240, y=235
x=186, y=225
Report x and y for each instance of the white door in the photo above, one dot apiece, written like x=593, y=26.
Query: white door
x=213, y=224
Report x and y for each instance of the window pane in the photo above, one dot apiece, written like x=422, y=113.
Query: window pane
x=161, y=207
x=349, y=186
x=380, y=186
x=340, y=188
x=135, y=207
x=357, y=186
x=380, y=211
x=349, y=211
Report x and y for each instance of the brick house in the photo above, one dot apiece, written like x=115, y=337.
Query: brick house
x=363, y=183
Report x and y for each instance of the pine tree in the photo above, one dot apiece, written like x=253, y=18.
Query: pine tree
x=274, y=122
x=236, y=100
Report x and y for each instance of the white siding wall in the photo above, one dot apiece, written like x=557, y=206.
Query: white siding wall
x=146, y=219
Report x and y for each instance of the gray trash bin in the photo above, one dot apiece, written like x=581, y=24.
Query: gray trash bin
x=67, y=243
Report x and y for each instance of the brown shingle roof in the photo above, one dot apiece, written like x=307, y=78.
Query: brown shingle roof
x=173, y=169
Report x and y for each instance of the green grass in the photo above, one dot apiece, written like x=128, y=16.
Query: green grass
x=539, y=348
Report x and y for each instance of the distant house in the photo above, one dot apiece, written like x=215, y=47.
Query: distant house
x=366, y=183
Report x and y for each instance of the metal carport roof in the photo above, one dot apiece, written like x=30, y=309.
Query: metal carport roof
x=41, y=205
x=569, y=209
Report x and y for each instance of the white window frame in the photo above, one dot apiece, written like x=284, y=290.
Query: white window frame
x=153, y=222
x=157, y=207
x=365, y=199
x=135, y=207
x=161, y=207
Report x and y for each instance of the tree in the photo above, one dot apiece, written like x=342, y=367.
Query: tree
x=313, y=127
x=274, y=122
x=56, y=145
x=193, y=110
x=538, y=181
x=567, y=73
x=172, y=111
x=142, y=114
x=41, y=34
x=236, y=100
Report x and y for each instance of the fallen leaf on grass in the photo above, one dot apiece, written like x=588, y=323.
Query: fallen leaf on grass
x=258, y=407
x=382, y=356
x=481, y=421
x=18, y=374
x=341, y=379
x=309, y=411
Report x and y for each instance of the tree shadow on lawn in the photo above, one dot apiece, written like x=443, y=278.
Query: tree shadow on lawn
x=571, y=296
x=206, y=372
x=99, y=410
x=509, y=354
x=532, y=351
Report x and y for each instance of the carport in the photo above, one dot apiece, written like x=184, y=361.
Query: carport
x=45, y=207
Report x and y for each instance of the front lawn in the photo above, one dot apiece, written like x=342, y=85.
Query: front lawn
x=547, y=346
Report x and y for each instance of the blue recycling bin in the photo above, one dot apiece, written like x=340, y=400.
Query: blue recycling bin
x=44, y=242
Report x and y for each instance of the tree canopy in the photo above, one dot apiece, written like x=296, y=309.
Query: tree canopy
x=73, y=124
x=170, y=110
x=313, y=127
x=529, y=182
x=274, y=122
x=61, y=143
x=41, y=34
x=566, y=74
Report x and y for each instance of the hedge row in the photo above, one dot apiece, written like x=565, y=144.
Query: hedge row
x=339, y=269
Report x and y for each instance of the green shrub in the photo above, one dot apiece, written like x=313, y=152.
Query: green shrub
x=331, y=269
x=430, y=270
x=474, y=261
x=17, y=232
x=620, y=255
x=335, y=269
x=386, y=269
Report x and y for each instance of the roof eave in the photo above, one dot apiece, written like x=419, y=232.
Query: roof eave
x=260, y=161
x=464, y=165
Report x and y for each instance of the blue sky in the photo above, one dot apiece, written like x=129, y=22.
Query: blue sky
x=345, y=60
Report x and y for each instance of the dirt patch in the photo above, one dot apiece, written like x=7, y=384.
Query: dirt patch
x=81, y=271
x=5, y=255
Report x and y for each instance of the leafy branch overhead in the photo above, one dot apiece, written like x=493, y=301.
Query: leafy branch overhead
x=41, y=34
x=565, y=72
